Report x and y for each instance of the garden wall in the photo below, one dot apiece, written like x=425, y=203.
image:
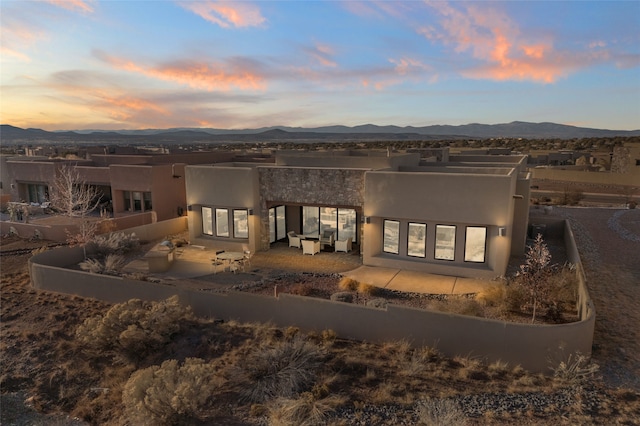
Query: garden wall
x=531, y=346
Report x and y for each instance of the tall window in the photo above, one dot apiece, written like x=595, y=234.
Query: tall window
x=240, y=224
x=136, y=201
x=222, y=222
x=417, y=240
x=475, y=243
x=391, y=240
x=207, y=221
x=445, y=242
x=277, y=223
x=38, y=193
x=311, y=221
x=317, y=219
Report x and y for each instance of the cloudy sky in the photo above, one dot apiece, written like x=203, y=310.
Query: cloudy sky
x=84, y=64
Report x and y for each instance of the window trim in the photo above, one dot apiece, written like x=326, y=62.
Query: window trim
x=235, y=231
x=384, y=236
x=484, y=251
x=220, y=222
x=435, y=248
x=424, y=248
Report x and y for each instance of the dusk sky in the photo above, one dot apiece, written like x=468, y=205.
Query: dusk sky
x=82, y=64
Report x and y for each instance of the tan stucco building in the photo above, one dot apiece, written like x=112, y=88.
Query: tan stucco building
x=464, y=216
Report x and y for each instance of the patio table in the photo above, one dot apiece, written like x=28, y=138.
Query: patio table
x=233, y=259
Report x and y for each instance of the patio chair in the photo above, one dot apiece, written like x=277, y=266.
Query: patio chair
x=246, y=261
x=310, y=247
x=327, y=238
x=215, y=262
x=343, y=245
x=294, y=240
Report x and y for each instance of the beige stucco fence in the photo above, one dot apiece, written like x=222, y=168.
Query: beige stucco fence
x=531, y=346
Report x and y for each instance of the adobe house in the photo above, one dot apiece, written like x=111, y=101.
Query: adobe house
x=463, y=217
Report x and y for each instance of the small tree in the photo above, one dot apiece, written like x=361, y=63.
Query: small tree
x=71, y=195
x=535, y=271
x=74, y=198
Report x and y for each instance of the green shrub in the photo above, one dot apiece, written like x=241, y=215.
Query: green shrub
x=170, y=394
x=280, y=371
x=134, y=328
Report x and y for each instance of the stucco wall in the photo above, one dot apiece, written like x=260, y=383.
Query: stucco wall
x=600, y=178
x=530, y=346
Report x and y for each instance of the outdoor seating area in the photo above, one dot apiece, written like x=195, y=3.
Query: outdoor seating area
x=231, y=261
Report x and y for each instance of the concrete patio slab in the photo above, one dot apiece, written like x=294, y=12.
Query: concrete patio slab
x=470, y=285
x=419, y=282
x=378, y=277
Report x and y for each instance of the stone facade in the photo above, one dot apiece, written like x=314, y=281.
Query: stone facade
x=309, y=187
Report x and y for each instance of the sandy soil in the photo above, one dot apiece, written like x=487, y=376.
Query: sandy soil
x=43, y=372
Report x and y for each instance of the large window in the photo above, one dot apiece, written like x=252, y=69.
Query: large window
x=136, y=201
x=222, y=222
x=37, y=193
x=417, y=240
x=240, y=224
x=311, y=221
x=391, y=241
x=475, y=243
x=445, y=242
x=315, y=220
x=207, y=221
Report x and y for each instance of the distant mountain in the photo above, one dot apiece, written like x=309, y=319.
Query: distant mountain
x=366, y=132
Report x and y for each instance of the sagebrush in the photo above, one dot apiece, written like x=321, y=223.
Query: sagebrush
x=134, y=328
x=170, y=394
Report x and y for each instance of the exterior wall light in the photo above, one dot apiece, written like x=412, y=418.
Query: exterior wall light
x=367, y=219
x=190, y=208
x=502, y=231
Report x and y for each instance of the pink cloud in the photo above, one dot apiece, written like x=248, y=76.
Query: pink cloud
x=323, y=54
x=198, y=75
x=226, y=14
x=494, y=38
x=74, y=5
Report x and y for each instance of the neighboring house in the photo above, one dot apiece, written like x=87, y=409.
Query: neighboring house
x=464, y=217
x=127, y=184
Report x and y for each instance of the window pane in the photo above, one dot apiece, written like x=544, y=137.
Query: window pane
x=281, y=223
x=391, y=236
x=207, y=221
x=240, y=224
x=311, y=221
x=137, y=201
x=474, y=246
x=417, y=240
x=147, y=201
x=347, y=224
x=222, y=222
x=445, y=242
x=328, y=219
x=126, y=195
x=272, y=225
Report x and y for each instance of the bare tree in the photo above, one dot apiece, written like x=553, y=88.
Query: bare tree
x=74, y=198
x=534, y=273
x=71, y=195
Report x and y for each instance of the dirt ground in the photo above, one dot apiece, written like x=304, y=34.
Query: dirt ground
x=39, y=362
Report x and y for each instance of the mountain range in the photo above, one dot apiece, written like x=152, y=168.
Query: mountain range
x=368, y=132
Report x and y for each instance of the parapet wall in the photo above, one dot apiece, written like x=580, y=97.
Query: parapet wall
x=531, y=346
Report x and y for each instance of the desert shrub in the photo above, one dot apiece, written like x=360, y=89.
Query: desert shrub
x=342, y=296
x=368, y=289
x=283, y=370
x=348, y=284
x=439, y=412
x=301, y=290
x=134, y=328
x=576, y=369
x=463, y=306
x=492, y=296
x=170, y=394
x=379, y=303
x=304, y=411
x=515, y=297
x=115, y=243
x=112, y=264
